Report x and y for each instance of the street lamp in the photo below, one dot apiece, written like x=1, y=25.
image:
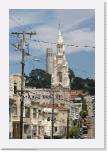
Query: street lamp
x=36, y=59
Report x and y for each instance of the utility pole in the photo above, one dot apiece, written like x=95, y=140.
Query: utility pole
x=67, y=135
x=52, y=122
x=22, y=48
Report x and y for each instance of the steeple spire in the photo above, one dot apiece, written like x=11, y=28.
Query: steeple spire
x=59, y=38
x=60, y=41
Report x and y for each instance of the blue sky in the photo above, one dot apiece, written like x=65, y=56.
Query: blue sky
x=78, y=27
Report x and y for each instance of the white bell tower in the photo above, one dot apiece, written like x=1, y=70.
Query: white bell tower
x=60, y=74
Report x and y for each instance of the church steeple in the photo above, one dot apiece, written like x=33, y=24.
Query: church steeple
x=60, y=74
x=60, y=41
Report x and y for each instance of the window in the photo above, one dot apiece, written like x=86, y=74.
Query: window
x=34, y=130
x=10, y=114
x=43, y=96
x=63, y=121
x=16, y=130
x=55, y=129
x=60, y=76
x=34, y=112
x=14, y=110
x=27, y=112
x=48, y=119
x=39, y=130
x=59, y=97
x=39, y=111
x=62, y=104
x=15, y=88
x=26, y=129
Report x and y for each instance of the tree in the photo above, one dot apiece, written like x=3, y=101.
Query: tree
x=38, y=78
x=83, y=114
x=74, y=132
x=41, y=79
x=71, y=74
x=86, y=85
x=90, y=86
x=78, y=83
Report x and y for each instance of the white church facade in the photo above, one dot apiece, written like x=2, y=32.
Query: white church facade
x=57, y=64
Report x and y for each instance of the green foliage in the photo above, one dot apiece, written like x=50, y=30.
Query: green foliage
x=71, y=74
x=78, y=83
x=90, y=86
x=38, y=78
x=87, y=85
x=41, y=79
x=83, y=114
x=74, y=131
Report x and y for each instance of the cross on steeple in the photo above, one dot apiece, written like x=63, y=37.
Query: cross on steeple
x=59, y=38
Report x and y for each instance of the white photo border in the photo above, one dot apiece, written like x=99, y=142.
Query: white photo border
x=98, y=142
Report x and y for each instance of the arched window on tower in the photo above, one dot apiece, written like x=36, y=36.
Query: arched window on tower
x=60, y=76
x=15, y=88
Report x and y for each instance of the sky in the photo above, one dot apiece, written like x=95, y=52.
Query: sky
x=78, y=29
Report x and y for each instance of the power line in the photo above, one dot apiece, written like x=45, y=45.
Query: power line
x=17, y=19
x=69, y=45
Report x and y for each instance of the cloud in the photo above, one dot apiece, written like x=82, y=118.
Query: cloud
x=87, y=24
x=29, y=17
x=77, y=37
x=53, y=17
x=81, y=39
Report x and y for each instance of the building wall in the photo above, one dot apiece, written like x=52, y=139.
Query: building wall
x=41, y=99
x=62, y=122
x=75, y=109
x=89, y=103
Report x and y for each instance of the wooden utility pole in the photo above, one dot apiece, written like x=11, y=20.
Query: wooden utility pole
x=22, y=88
x=67, y=135
x=52, y=122
x=21, y=47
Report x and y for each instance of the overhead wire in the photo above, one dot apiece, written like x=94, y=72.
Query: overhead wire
x=69, y=45
x=40, y=42
x=30, y=27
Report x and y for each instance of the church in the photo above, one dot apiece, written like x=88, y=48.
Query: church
x=57, y=64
